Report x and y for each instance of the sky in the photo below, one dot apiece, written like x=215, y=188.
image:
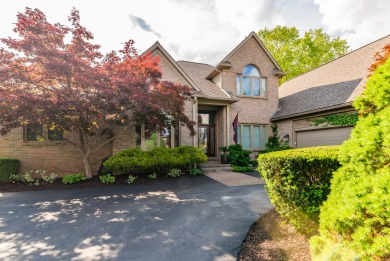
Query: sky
x=207, y=30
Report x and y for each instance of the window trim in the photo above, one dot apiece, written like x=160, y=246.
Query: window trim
x=240, y=76
x=159, y=144
x=263, y=135
x=45, y=135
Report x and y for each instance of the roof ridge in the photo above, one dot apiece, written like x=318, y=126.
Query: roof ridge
x=194, y=62
x=158, y=45
x=258, y=40
x=353, y=51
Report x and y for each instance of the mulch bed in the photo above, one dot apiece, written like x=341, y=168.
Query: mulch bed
x=120, y=180
x=272, y=238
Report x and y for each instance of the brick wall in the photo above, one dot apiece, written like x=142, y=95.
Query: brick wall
x=170, y=73
x=252, y=110
x=286, y=128
x=125, y=139
x=185, y=134
x=60, y=158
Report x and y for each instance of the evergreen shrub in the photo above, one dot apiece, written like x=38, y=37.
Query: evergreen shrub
x=239, y=156
x=157, y=160
x=8, y=167
x=355, y=219
x=298, y=181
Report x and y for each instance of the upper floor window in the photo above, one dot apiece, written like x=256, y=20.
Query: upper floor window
x=250, y=82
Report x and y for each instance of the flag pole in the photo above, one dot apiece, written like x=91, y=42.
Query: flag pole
x=235, y=129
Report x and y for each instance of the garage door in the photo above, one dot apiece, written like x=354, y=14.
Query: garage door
x=314, y=138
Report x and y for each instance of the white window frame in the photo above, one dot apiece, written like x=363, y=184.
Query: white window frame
x=263, y=135
x=263, y=93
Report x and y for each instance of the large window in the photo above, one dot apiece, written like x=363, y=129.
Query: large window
x=39, y=133
x=250, y=83
x=252, y=136
x=147, y=137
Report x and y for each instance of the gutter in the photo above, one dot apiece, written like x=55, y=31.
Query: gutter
x=338, y=106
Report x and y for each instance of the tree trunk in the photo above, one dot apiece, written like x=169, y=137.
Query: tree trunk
x=87, y=166
x=85, y=156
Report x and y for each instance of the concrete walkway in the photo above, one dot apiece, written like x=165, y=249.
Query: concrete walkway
x=191, y=218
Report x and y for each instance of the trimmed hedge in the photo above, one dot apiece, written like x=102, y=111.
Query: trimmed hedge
x=157, y=160
x=8, y=167
x=298, y=181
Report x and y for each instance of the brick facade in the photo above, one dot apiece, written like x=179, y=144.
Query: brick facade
x=170, y=73
x=60, y=158
x=252, y=110
x=63, y=158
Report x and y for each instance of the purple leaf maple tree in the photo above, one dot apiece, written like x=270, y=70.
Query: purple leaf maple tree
x=68, y=85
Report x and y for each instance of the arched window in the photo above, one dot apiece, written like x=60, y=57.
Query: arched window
x=250, y=82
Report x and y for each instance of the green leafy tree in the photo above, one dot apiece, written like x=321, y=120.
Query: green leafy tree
x=296, y=54
x=355, y=219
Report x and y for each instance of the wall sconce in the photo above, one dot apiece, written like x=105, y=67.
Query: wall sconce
x=286, y=138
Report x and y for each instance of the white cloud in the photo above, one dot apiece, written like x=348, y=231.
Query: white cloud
x=360, y=22
x=207, y=30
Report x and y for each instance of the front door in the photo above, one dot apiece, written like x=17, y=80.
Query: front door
x=206, y=133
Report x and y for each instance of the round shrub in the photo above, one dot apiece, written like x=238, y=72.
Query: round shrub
x=298, y=181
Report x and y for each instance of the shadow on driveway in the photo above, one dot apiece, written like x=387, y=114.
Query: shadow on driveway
x=191, y=218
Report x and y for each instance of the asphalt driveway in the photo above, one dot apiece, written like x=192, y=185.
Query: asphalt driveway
x=197, y=218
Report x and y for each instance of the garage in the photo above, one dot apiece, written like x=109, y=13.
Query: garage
x=322, y=137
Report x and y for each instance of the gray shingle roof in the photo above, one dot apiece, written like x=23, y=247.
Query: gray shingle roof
x=336, y=83
x=198, y=72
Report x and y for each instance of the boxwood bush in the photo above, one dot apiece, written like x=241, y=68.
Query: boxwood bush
x=8, y=167
x=298, y=181
x=157, y=160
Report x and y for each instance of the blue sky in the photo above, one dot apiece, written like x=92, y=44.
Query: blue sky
x=206, y=30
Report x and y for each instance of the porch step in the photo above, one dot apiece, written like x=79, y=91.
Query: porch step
x=215, y=166
x=218, y=169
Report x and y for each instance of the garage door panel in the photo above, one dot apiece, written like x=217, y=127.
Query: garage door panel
x=322, y=137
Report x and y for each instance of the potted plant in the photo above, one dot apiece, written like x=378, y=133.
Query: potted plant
x=224, y=154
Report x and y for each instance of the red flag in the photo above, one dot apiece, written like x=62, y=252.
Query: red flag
x=235, y=126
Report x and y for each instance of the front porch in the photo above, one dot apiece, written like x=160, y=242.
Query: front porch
x=214, y=127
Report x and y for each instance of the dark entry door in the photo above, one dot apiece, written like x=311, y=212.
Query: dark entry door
x=206, y=133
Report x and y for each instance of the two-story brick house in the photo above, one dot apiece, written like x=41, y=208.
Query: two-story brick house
x=244, y=82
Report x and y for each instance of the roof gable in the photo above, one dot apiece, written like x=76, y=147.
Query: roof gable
x=259, y=42
x=158, y=47
x=277, y=72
